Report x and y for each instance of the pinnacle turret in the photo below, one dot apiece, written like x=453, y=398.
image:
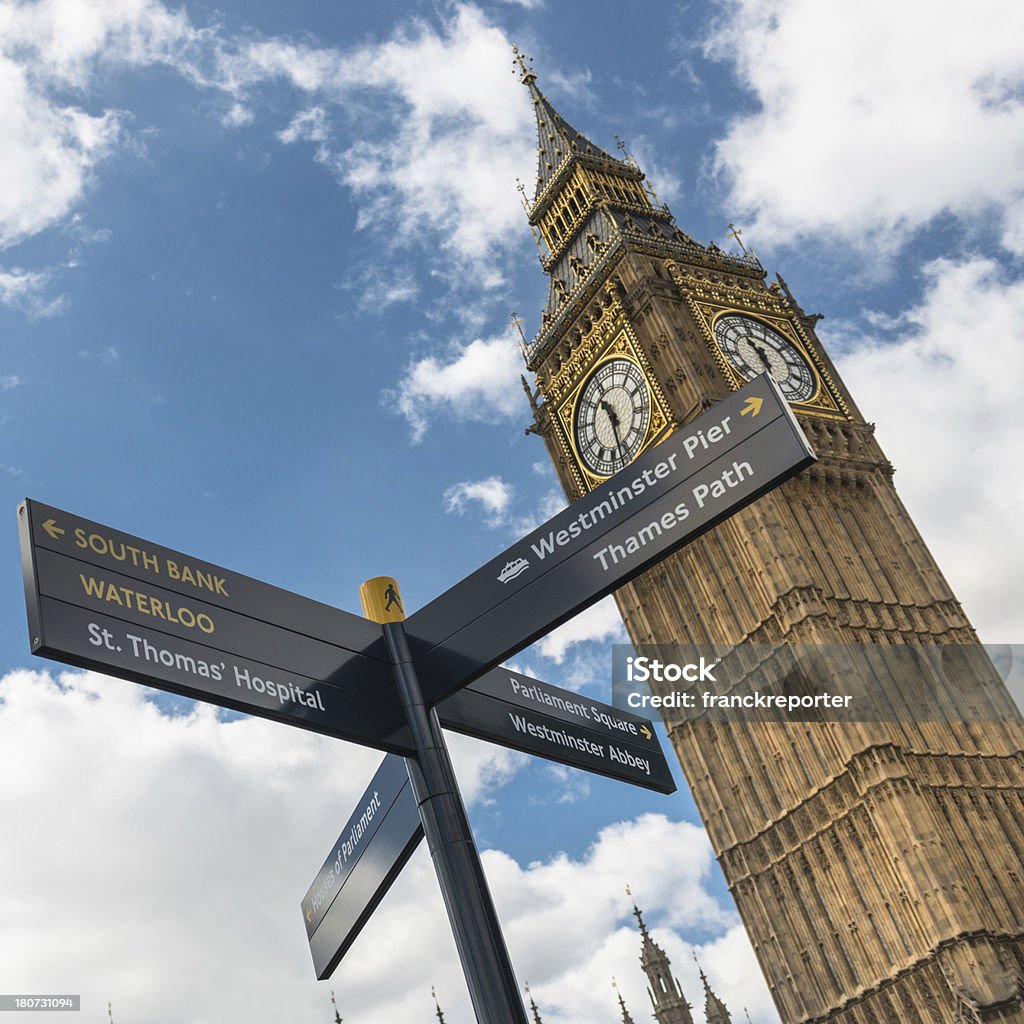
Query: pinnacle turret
x=714, y=1009
x=667, y=999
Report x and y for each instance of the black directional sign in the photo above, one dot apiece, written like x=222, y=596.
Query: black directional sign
x=526, y=714
x=368, y=856
x=707, y=470
x=104, y=600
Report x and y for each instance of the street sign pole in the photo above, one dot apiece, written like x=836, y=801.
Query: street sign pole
x=485, y=961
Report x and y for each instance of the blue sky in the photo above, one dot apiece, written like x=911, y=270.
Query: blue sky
x=257, y=264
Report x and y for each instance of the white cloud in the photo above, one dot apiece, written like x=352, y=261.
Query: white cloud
x=600, y=622
x=62, y=40
x=26, y=290
x=430, y=157
x=568, y=786
x=241, y=66
x=549, y=505
x=667, y=185
x=378, y=287
x=548, y=907
x=177, y=822
x=453, y=145
x=435, y=151
x=50, y=50
x=9, y=382
x=48, y=154
x=947, y=375
x=482, y=768
x=237, y=116
x=51, y=147
x=874, y=119
x=492, y=494
x=307, y=126
x=192, y=840
x=480, y=381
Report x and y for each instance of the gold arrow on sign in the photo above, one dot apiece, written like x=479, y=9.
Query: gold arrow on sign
x=309, y=915
x=753, y=406
x=647, y=732
x=51, y=527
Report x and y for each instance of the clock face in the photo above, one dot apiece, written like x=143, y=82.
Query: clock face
x=753, y=347
x=612, y=416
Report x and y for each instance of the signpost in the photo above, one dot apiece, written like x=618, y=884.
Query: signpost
x=385, y=827
x=106, y=600
x=706, y=471
x=526, y=714
x=367, y=857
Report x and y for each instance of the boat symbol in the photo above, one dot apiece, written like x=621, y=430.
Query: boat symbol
x=513, y=569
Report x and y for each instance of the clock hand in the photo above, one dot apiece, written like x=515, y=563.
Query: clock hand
x=610, y=411
x=763, y=355
x=613, y=419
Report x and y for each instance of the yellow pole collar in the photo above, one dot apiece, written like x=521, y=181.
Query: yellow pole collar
x=382, y=601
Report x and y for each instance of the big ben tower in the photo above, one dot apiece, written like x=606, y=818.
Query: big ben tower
x=878, y=867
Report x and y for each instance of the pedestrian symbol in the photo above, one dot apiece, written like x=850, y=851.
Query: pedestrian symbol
x=382, y=600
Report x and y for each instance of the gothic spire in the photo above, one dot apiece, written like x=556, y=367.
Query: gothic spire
x=557, y=141
x=533, y=1006
x=626, y=1018
x=437, y=1006
x=638, y=915
x=337, y=1015
x=714, y=1009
